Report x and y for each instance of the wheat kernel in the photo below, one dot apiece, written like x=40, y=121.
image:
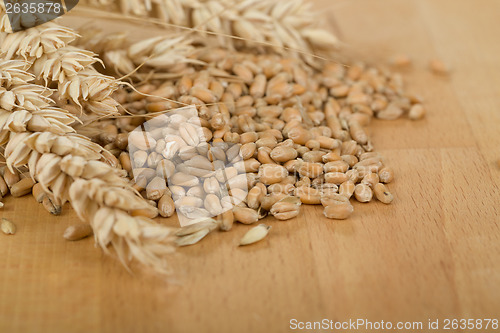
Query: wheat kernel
x=248, y=137
x=400, y=60
x=392, y=112
x=386, y=175
x=139, y=158
x=331, y=197
x=282, y=154
x=268, y=141
x=7, y=227
x=308, y=195
x=50, y=206
x=312, y=144
x=439, y=67
x=347, y=188
x=255, y=234
x=156, y=188
x=141, y=140
x=272, y=173
x=226, y=220
x=22, y=187
x=124, y=159
x=370, y=179
x=299, y=135
x=245, y=215
x=10, y=177
x=336, y=166
x=166, y=206
x=351, y=160
x=267, y=201
x=4, y=189
x=281, y=187
x=311, y=170
x=330, y=157
x=254, y=197
x=363, y=193
x=357, y=132
x=285, y=210
x=149, y=212
x=382, y=194
x=336, y=178
x=212, y=204
x=203, y=94
x=339, y=211
x=243, y=72
x=77, y=231
x=193, y=238
x=417, y=112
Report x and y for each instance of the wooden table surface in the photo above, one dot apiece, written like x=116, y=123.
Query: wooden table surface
x=433, y=254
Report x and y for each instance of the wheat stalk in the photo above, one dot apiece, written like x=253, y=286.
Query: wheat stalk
x=68, y=166
x=236, y=24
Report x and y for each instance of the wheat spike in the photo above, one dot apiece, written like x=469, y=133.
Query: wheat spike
x=32, y=43
x=63, y=63
x=162, y=53
x=272, y=24
x=71, y=168
x=45, y=52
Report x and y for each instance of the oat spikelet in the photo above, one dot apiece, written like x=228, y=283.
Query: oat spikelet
x=70, y=168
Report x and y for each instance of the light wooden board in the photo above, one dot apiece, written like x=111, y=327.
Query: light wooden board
x=435, y=253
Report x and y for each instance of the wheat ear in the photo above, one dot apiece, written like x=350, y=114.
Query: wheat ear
x=274, y=24
x=68, y=166
x=162, y=53
x=45, y=52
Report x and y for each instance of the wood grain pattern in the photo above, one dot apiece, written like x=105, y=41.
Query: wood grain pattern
x=434, y=253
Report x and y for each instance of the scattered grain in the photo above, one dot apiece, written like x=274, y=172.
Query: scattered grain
x=8, y=227
x=77, y=231
x=382, y=193
x=363, y=193
x=438, y=67
x=255, y=234
x=338, y=211
x=283, y=210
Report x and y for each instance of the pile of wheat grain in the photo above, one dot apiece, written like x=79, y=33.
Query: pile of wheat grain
x=299, y=131
x=297, y=122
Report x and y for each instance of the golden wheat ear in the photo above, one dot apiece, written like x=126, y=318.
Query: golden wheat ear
x=271, y=24
x=67, y=166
